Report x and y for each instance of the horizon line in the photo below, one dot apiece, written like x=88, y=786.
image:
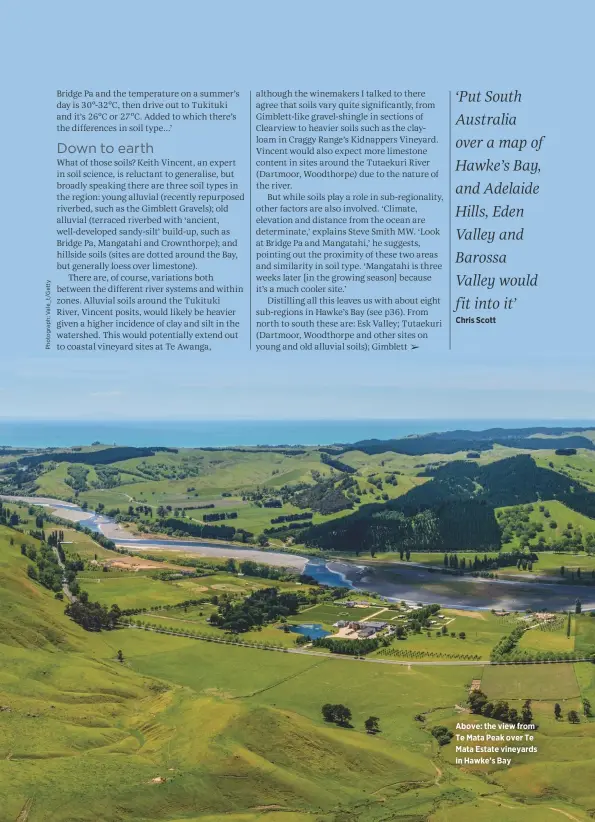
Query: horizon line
x=86, y=420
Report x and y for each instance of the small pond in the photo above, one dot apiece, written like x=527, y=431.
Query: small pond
x=311, y=629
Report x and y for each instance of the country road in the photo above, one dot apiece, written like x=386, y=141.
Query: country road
x=463, y=662
x=67, y=592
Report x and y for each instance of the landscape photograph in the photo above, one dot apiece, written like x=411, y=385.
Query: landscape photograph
x=299, y=632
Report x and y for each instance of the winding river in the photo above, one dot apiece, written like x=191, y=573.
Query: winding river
x=396, y=581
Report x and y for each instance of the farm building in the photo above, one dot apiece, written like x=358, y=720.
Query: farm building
x=358, y=625
x=367, y=629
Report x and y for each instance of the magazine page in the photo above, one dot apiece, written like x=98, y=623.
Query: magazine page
x=297, y=424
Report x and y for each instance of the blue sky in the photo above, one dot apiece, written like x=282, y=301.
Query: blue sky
x=72, y=389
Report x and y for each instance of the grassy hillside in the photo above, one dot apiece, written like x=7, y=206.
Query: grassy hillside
x=579, y=466
x=83, y=736
x=455, y=510
x=456, y=478
x=190, y=731
x=556, y=525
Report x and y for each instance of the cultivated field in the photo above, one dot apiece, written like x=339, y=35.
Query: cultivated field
x=554, y=682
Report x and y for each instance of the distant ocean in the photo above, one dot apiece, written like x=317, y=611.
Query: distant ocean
x=218, y=433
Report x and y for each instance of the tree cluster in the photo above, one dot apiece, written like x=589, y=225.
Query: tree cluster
x=219, y=516
x=77, y=477
x=7, y=516
x=441, y=734
x=508, y=643
x=291, y=518
x=336, y=464
x=339, y=714
x=92, y=616
x=327, y=495
x=420, y=617
x=261, y=607
x=503, y=559
x=499, y=709
x=104, y=456
x=181, y=527
x=349, y=647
